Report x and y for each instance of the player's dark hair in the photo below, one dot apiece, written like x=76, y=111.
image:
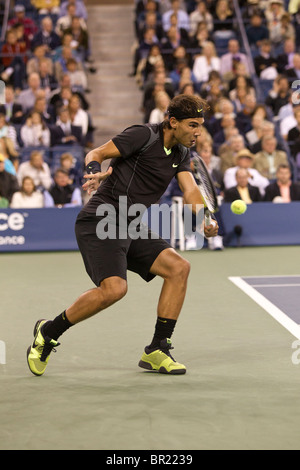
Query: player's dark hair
x=186, y=107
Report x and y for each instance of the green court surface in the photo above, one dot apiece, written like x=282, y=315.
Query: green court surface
x=241, y=390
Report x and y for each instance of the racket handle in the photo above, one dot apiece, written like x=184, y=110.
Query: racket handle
x=207, y=218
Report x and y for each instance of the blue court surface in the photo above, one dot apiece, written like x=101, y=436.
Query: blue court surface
x=278, y=295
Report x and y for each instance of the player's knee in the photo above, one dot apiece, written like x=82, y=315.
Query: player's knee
x=114, y=291
x=181, y=269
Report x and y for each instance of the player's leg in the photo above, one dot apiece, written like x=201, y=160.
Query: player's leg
x=175, y=271
x=105, y=262
x=46, y=333
x=152, y=257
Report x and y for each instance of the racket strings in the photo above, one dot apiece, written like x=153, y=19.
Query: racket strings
x=206, y=189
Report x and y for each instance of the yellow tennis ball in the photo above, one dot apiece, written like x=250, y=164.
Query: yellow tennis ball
x=238, y=207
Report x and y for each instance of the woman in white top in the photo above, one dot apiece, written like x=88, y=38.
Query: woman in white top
x=34, y=133
x=158, y=114
x=27, y=197
x=206, y=62
x=79, y=116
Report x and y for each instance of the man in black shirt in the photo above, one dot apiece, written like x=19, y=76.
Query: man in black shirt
x=144, y=161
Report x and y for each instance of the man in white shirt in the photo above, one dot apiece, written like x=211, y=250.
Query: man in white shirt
x=233, y=55
x=245, y=159
x=37, y=169
x=182, y=17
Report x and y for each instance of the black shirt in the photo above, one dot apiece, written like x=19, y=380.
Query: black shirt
x=144, y=170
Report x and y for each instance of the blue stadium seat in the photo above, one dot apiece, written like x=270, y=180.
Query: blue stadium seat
x=26, y=151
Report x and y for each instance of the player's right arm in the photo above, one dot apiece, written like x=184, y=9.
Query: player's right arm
x=93, y=160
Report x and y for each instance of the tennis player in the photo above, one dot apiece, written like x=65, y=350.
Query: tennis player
x=144, y=159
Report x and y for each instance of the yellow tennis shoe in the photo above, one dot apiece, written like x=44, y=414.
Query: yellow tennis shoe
x=39, y=352
x=161, y=360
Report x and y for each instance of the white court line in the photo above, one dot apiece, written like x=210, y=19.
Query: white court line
x=275, y=285
x=274, y=311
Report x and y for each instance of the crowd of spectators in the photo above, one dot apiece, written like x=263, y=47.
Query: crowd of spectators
x=251, y=135
x=45, y=123
x=251, y=139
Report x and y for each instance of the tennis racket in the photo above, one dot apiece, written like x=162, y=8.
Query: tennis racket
x=207, y=189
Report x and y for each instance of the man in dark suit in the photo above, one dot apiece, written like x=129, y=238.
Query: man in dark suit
x=13, y=111
x=283, y=189
x=46, y=36
x=293, y=73
x=264, y=59
x=63, y=132
x=243, y=190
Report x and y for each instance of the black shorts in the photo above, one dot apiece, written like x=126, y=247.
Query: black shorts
x=106, y=258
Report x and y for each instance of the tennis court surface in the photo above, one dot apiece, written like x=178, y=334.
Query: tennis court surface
x=241, y=390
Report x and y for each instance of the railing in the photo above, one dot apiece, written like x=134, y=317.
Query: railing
x=5, y=19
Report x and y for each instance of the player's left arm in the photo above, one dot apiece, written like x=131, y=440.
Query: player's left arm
x=94, y=158
x=192, y=196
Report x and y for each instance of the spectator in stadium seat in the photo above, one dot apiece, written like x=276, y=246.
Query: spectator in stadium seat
x=230, y=59
x=45, y=110
x=47, y=7
x=200, y=14
x=80, y=35
x=207, y=61
x=268, y=160
x=201, y=36
x=8, y=131
x=81, y=10
x=182, y=16
x=228, y=151
x=64, y=132
x=293, y=73
x=243, y=189
x=13, y=111
x=28, y=96
x=64, y=22
x=285, y=60
x=283, y=189
x=67, y=163
x=245, y=159
x=244, y=117
x=27, y=197
x=223, y=18
x=78, y=77
x=264, y=60
x=256, y=31
x=48, y=80
x=38, y=54
x=65, y=82
x=279, y=95
x=13, y=60
x=213, y=91
x=227, y=122
x=268, y=129
x=283, y=30
x=8, y=182
x=273, y=13
x=35, y=133
x=158, y=114
x=37, y=169
x=160, y=82
x=78, y=116
x=62, y=193
x=30, y=27
x=8, y=150
x=293, y=137
x=46, y=36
